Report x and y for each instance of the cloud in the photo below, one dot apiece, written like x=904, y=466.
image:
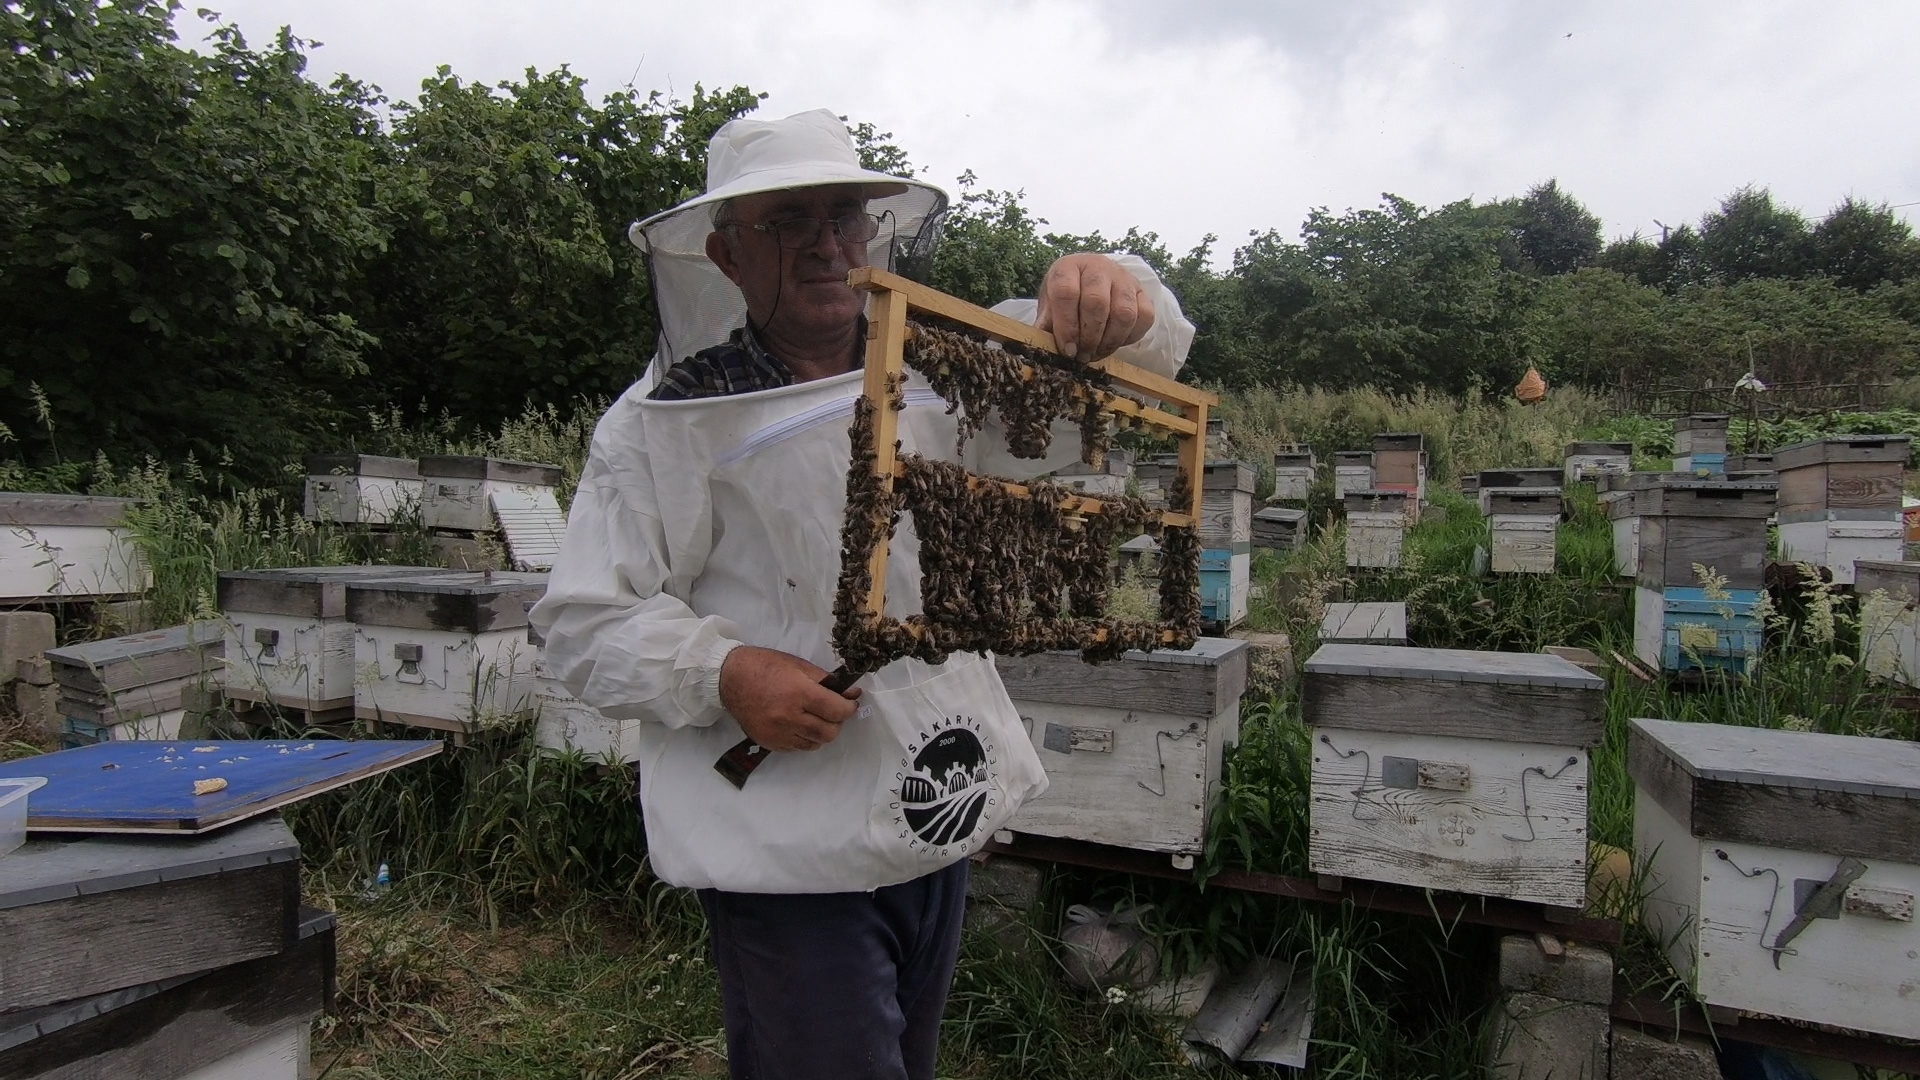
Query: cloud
x=1227, y=116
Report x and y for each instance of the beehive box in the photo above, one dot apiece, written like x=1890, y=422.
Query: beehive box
x=361, y=489
x=288, y=640
x=1132, y=747
x=1400, y=464
x=1718, y=524
x=1280, y=528
x=1470, y=484
x=1352, y=471
x=563, y=722
x=1588, y=460
x=1624, y=516
x=446, y=651
x=1226, y=542
x=160, y=957
x=1700, y=444
x=1749, y=466
x=1524, y=524
x=1376, y=527
x=1453, y=770
x=1839, y=545
x=1846, y=472
x=139, y=686
x=1889, y=595
x=68, y=547
x=1784, y=867
x=1515, y=479
x=472, y=494
x=1110, y=478
x=1140, y=554
x=1370, y=623
x=1293, y=473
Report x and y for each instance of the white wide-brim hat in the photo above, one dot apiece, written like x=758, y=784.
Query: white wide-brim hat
x=698, y=306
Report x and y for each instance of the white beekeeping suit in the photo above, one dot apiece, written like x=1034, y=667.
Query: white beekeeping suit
x=705, y=524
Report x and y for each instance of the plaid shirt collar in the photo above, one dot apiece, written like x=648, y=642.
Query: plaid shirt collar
x=740, y=366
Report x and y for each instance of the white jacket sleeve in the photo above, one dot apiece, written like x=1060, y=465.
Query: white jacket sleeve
x=614, y=635
x=1164, y=349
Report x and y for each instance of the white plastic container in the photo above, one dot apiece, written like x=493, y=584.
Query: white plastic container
x=13, y=810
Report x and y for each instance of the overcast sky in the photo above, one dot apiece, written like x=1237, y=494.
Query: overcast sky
x=1223, y=116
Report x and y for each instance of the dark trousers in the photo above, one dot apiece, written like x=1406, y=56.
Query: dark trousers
x=837, y=986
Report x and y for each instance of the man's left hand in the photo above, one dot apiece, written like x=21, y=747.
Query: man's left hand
x=1092, y=306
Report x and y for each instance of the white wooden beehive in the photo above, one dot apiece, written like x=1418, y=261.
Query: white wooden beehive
x=1455, y=770
x=1376, y=528
x=362, y=489
x=68, y=546
x=1524, y=524
x=1226, y=541
x=563, y=722
x=1840, y=501
x=1293, y=472
x=287, y=637
x=1510, y=480
x=1700, y=443
x=445, y=651
x=1132, y=747
x=1352, y=471
x=1783, y=868
x=1625, y=520
x=1589, y=460
x=1109, y=479
x=1839, y=545
x=473, y=494
x=1889, y=595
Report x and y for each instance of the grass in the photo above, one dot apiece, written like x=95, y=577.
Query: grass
x=524, y=936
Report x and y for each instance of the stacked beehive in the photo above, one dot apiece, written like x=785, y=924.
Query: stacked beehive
x=1524, y=524
x=289, y=642
x=1352, y=471
x=1700, y=445
x=1279, y=528
x=1840, y=501
x=1133, y=746
x=141, y=686
x=467, y=497
x=1293, y=473
x=1376, y=527
x=68, y=547
x=1226, y=543
x=1586, y=461
x=1701, y=565
x=1889, y=595
x=443, y=651
x=362, y=489
x=1784, y=867
x=163, y=958
x=1400, y=464
x=1492, y=480
x=1454, y=770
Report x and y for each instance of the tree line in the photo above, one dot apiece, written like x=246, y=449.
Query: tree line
x=210, y=253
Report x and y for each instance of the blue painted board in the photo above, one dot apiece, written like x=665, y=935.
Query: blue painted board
x=146, y=786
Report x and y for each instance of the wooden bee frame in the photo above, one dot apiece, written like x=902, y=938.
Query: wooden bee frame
x=862, y=606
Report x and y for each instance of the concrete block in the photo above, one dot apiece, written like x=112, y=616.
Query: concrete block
x=1004, y=926
x=1638, y=1055
x=1584, y=974
x=35, y=672
x=1542, y=1038
x=37, y=706
x=1011, y=883
x=24, y=635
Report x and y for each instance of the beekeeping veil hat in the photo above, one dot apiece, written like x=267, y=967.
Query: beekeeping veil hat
x=698, y=306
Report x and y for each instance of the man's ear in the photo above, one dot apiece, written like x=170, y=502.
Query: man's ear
x=721, y=252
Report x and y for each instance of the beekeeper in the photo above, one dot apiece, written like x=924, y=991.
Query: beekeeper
x=694, y=594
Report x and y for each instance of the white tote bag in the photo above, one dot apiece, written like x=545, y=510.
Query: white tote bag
x=752, y=492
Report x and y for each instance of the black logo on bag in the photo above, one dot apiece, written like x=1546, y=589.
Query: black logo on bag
x=945, y=786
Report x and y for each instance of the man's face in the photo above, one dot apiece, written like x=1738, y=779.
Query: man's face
x=796, y=292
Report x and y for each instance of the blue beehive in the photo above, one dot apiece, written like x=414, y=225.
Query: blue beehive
x=1711, y=632
x=1216, y=585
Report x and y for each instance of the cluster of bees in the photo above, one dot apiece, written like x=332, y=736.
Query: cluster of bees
x=1009, y=573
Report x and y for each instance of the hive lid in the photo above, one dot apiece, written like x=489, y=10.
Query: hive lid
x=47, y=870
x=26, y=508
x=134, y=648
x=317, y=592
x=1201, y=681
x=392, y=468
x=464, y=602
x=1804, y=760
x=1843, y=448
x=1353, y=457
x=1452, y=665
x=1702, y=421
x=1600, y=449
x=1522, y=478
x=487, y=468
x=1399, y=441
x=1290, y=514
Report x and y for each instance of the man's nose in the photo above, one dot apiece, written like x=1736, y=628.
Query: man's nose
x=827, y=245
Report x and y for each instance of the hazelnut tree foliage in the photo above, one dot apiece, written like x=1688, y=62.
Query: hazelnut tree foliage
x=210, y=253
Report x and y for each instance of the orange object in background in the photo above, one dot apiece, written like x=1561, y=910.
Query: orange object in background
x=1532, y=388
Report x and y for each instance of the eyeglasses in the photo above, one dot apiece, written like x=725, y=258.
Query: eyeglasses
x=857, y=227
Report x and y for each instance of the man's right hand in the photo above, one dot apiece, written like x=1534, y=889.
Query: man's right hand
x=778, y=700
